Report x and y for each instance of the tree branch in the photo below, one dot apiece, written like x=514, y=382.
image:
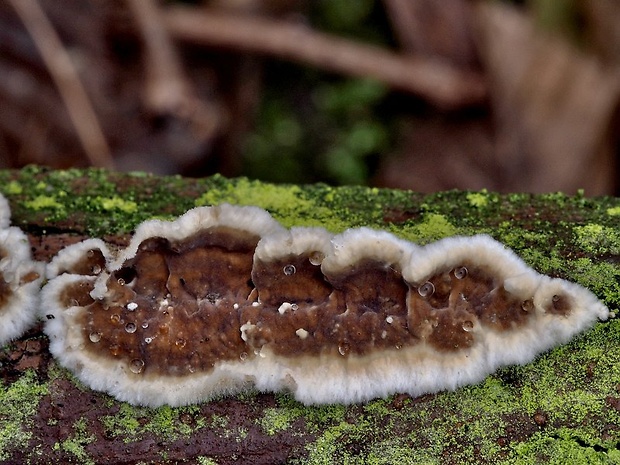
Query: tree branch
x=67, y=81
x=437, y=82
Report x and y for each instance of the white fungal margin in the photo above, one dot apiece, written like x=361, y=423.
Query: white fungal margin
x=20, y=279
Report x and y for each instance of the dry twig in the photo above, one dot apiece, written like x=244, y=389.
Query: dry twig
x=67, y=81
x=439, y=83
x=168, y=91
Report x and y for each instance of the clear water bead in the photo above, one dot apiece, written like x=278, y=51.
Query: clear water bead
x=289, y=270
x=136, y=366
x=427, y=289
x=460, y=273
x=316, y=258
x=130, y=327
x=527, y=305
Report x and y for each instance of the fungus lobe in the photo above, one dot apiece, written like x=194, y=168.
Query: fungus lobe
x=224, y=298
x=20, y=279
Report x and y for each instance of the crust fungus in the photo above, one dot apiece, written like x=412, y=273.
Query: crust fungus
x=224, y=298
x=20, y=279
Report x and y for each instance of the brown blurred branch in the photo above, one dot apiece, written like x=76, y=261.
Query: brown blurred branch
x=67, y=81
x=437, y=82
x=432, y=29
x=168, y=91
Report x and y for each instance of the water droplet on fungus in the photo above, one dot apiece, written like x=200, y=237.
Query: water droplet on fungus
x=527, y=305
x=316, y=258
x=131, y=306
x=130, y=328
x=120, y=281
x=344, y=349
x=94, y=337
x=427, y=289
x=468, y=325
x=136, y=366
x=96, y=269
x=115, y=318
x=460, y=273
x=180, y=342
x=289, y=270
x=243, y=356
x=148, y=340
x=145, y=325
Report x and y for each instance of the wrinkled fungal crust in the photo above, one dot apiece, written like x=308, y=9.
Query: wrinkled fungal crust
x=224, y=298
x=20, y=279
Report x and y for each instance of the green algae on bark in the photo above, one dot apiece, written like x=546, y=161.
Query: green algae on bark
x=563, y=407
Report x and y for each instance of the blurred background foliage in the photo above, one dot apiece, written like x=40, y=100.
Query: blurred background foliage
x=334, y=133
x=266, y=110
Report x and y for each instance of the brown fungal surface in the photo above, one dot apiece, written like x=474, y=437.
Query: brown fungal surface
x=208, y=306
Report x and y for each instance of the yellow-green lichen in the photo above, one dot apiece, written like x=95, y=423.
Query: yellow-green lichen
x=613, y=211
x=284, y=202
x=13, y=188
x=433, y=227
x=598, y=239
x=478, y=199
x=18, y=404
x=44, y=202
x=116, y=203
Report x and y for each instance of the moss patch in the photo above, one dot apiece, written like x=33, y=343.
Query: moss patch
x=18, y=404
x=76, y=443
x=133, y=423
